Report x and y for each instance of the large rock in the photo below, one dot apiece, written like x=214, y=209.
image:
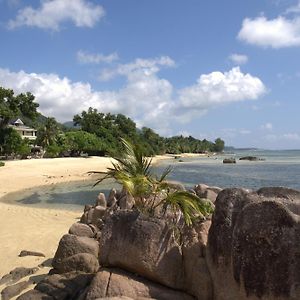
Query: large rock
x=118, y=283
x=84, y=262
x=197, y=278
x=60, y=287
x=207, y=192
x=80, y=229
x=16, y=274
x=14, y=290
x=70, y=245
x=142, y=245
x=254, y=245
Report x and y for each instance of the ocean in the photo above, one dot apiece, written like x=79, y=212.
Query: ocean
x=277, y=168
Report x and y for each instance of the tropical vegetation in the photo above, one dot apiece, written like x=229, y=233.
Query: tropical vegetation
x=91, y=132
x=153, y=194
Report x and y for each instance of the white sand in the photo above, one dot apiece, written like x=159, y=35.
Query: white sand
x=38, y=229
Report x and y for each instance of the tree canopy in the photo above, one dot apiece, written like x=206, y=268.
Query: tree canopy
x=12, y=106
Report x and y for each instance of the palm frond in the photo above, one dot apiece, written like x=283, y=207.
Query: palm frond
x=189, y=204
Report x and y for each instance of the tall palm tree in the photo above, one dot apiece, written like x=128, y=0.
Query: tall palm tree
x=48, y=133
x=133, y=172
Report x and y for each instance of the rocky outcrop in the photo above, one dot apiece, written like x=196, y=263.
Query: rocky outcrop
x=118, y=283
x=17, y=274
x=142, y=245
x=254, y=245
x=229, y=161
x=59, y=286
x=249, y=250
x=207, y=192
x=251, y=158
x=76, y=253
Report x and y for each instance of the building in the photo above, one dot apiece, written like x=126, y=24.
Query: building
x=24, y=131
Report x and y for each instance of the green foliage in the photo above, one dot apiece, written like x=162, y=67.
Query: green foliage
x=81, y=141
x=47, y=134
x=110, y=128
x=11, y=143
x=133, y=172
x=52, y=151
x=12, y=106
x=2, y=164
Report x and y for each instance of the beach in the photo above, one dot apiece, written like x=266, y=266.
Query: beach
x=39, y=229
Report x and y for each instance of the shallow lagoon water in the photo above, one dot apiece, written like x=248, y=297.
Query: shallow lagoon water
x=280, y=168
x=70, y=195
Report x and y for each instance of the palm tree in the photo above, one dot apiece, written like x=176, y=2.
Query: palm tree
x=48, y=133
x=133, y=172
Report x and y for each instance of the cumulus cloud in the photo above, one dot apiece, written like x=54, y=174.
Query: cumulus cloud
x=52, y=13
x=89, y=58
x=148, y=99
x=219, y=88
x=238, y=59
x=280, y=32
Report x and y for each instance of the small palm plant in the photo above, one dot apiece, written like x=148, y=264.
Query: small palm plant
x=133, y=172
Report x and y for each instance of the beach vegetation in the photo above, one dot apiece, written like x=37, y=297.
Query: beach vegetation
x=153, y=194
x=2, y=164
x=11, y=106
x=11, y=144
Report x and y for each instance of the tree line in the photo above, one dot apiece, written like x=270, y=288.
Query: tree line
x=93, y=132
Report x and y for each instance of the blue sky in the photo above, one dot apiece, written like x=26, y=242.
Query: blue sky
x=228, y=69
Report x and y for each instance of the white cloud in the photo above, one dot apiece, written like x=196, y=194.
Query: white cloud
x=52, y=13
x=267, y=126
x=238, y=59
x=89, y=58
x=144, y=67
x=280, y=32
x=219, y=88
x=148, y=99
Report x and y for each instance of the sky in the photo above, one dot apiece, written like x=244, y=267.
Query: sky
x=206, y=68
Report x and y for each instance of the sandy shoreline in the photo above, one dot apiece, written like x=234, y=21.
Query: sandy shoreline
x=39, y=229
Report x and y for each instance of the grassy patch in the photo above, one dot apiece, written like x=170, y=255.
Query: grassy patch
x=2, y=164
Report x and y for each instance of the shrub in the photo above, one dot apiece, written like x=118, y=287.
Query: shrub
x=2, y=164
x=133, y=172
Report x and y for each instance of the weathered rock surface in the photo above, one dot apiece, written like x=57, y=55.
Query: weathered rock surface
x=84, y=262
x=229, y=161
x=16, y=274
x=80, y=229
x=31, y=253
x=60, y=287
x=14, y=290
x=101, y=200
x=207, y=192
x=142, y=245
x=117, y=283
x=197, y=277
x=72, y=245
x=254, y=246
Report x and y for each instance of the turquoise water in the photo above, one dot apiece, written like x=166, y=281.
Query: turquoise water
x=279, y=168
